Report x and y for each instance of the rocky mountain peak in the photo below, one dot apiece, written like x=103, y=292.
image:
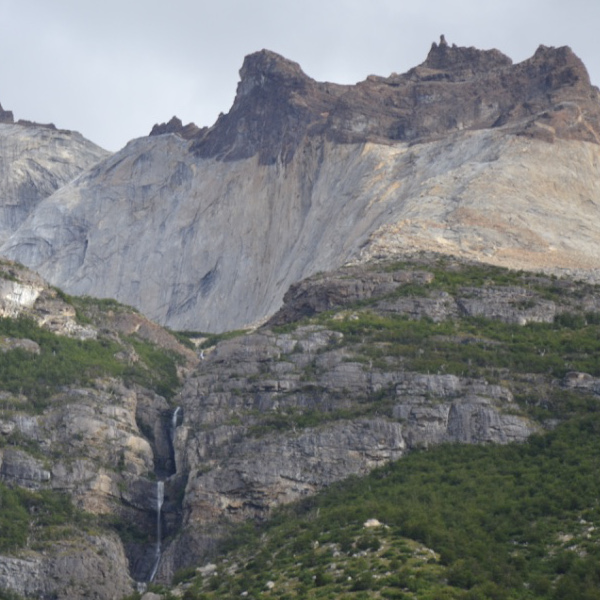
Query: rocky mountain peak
x=175, y=125
x=561, y=65
x=266, y=68
x=301, y=176
x=462, y=61
x=277, y=104
x=6, y=116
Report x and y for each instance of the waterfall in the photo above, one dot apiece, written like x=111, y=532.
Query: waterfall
x=160, y=497
x=174, y=418
x=172, y=430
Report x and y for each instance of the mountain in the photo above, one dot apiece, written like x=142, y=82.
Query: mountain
x=205, y=229
x=397, y=378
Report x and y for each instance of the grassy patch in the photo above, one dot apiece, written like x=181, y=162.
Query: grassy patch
x=65, y=361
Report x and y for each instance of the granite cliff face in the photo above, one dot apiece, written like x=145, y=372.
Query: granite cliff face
x=466, y=154
x=36, y=161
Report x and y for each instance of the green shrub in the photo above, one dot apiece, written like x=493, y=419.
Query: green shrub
x=66, y=361
x=38, y=516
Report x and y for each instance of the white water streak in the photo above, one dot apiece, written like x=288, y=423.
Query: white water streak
x=160, y=497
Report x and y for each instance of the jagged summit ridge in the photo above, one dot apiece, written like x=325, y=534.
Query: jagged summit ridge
x=463, y=60
x=277, y=104
x=269, y=68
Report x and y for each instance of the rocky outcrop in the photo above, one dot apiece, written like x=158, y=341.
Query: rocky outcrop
x=6, y=116
x=341, y=288
x=88, y=444
x=91, y=567
x=101, y=440
x=277, y=105
x=175, y=126
x=416, y=292
x=272, y=417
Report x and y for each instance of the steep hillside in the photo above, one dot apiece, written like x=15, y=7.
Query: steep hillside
x=84, y=433
x=366, y=365
x=206, y=229
x=127, y=457
x=456, y=522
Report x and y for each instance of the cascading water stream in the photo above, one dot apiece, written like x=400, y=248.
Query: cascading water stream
x=160, y=497
x=174, y=418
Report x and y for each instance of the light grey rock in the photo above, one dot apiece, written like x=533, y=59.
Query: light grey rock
x=16, y=296
x=23, y=292
x=18, y=468
x=437, y=307
x=202, y=244
x=255, y=475
x=581, y=381
x=7, y=344
x=89, y=567
x=34, y=163
x=468, y=420
x=23, y=576
x=508, y=304
x=262, y=473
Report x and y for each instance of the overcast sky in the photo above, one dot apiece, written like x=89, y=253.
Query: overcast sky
x=110, y=69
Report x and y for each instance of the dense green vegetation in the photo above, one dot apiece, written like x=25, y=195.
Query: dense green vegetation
x=474, y=347
x=64, y=360
x=518, y=521
x=31, y=519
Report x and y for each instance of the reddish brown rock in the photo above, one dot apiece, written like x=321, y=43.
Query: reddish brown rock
x=176, y=126
x=277, y=105
x=6, y=116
